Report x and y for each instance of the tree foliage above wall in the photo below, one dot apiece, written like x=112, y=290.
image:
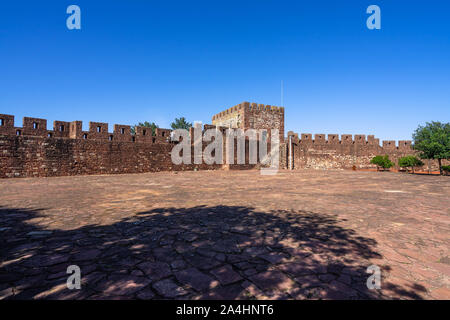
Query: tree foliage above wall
x=148, y=125
x=181, y=123
x=433, y=141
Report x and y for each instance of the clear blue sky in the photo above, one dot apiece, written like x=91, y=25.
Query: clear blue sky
x=157, y=60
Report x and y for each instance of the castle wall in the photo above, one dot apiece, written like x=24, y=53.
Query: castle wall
x=260, y=116
x=248, y=115
x=348, y=152
x=230, y=118
x=33, y=151
x=29, y=156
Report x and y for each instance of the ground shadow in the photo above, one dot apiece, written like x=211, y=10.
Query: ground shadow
x=219, y=252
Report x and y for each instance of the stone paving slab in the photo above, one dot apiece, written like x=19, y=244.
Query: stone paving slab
x=306, y=234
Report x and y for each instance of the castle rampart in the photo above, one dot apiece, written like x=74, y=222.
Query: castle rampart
x=344, y=152
x=248, y=115
x=32, y=150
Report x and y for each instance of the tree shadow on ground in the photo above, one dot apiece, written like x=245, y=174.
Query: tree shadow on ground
x=219, y=252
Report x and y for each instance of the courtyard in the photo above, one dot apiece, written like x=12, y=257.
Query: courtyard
x=303, y=234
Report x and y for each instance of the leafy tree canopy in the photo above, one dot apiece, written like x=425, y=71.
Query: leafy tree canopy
x=148, y=125
x=433, y=141
x=181, y=123
x=382, y=161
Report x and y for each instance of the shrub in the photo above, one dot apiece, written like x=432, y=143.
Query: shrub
x=433, y=141
x=382, y=162
x=446, y=169
x=409, y=161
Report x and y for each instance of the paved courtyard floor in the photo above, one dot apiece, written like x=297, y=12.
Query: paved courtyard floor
x=306, y=234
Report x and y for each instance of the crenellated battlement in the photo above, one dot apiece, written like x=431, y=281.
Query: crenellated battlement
x=347, y=139
x=236, y=109
x=248, y=115
x=100, y=131
x=32, y=150
x=74, y=130
x=247, y=106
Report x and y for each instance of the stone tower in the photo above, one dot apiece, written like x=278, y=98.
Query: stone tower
x=248, y=115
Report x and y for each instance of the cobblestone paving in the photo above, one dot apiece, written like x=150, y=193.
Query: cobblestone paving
x=226, y=235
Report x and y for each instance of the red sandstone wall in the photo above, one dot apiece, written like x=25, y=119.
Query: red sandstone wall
x=28, y=156
x=319, y=152
x=254, y=116
x=260, y=116
x=34, y=151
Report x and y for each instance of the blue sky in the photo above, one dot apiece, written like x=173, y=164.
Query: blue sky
x=156, y=60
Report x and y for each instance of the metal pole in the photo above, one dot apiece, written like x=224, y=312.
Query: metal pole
x=290, y=154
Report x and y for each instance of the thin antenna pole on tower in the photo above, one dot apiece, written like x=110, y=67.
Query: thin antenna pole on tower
x=282, y=102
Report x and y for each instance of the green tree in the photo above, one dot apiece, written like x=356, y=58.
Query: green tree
x=382, y=162
x=181, y=123
x=446, y=169
x=409, y=161
x=146, y=124
x=433, y=141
